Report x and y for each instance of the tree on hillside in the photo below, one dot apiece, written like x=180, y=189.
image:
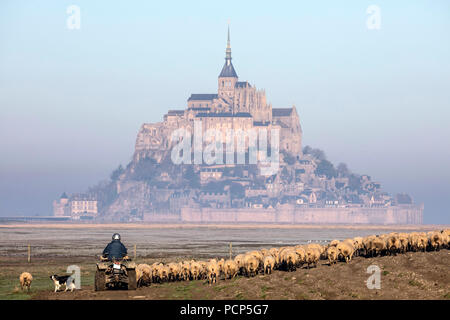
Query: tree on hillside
x=145, y=170
x=326, y=168
x=316, y=153
x=116, y=173
x=343, y=170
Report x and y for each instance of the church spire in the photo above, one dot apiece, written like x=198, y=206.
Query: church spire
x=228, y=69
x=228, y=51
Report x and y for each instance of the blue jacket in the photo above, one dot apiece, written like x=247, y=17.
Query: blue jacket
x=115, y=250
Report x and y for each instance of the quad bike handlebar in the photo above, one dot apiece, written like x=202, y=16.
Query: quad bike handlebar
x=126, y=258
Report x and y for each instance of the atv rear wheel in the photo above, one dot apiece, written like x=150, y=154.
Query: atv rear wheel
x=132, y=284
x=100, y=281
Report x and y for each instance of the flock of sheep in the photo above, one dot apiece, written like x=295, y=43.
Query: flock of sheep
x=284, y=258
x=290, y=258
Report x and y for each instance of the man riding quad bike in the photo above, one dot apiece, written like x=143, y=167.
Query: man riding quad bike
x=115, y=269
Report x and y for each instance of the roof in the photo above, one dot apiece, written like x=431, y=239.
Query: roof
x=175, y=112
x=242, y=84
x=224, y=115
x=228, y=70
x=64, y=196
x=203, y=96
x=281, y=124
x=261, y=123
x=281, y=112
x=200, y=109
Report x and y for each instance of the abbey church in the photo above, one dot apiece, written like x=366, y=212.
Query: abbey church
x=237, y=105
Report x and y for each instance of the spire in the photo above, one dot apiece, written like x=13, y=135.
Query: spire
x=228, y=69
x=228, y=51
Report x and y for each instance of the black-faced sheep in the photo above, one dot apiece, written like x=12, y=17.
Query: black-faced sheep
x=212, y=271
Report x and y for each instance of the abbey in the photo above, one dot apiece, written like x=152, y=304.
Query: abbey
x=237, y=105
x=296, y=185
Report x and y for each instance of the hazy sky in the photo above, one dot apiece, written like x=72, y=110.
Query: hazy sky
x=72, y=101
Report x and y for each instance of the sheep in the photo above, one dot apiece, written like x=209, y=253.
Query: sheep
x=251, y=265
x=358, y=243
x=312, y=257
x=367, y=245
x=446, y=237
x=374, y=245
x=239, y=260
x=212, y=271
x=202, y=273
x=156, y=272
x=422, y=242
x=350, y=243
x=317, y=246
x=221, y=264
x=435, y=240
x=404, y=242
x=196, y=269
x=269, y=264
x=393, y=244
x=334, y=243
x=301, y=254
x=25, y=279
x=163, y=273
x=259, y=256
x=230, y=269
x=273, y=252
x=174, y=271
x=185, y=273
x=143, y=274
x=332, y=254
x=345, y=251
x=289, y=259
x=417, y=241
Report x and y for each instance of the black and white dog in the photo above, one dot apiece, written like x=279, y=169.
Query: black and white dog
x=60, y=281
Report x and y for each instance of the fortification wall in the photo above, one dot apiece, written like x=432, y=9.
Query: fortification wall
x=289, y=214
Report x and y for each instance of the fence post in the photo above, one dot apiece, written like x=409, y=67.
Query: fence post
x=231, y=251
x=29, y=253
x=134, y=252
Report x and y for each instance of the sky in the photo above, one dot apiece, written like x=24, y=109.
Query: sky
x=72, y=100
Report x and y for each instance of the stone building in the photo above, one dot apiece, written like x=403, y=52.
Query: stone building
x=60, y=207
x=237, y=105
x=77, y=207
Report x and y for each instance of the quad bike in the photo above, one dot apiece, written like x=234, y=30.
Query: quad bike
x=115, y=274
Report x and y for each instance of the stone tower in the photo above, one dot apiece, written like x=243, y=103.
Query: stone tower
x=228, y=76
